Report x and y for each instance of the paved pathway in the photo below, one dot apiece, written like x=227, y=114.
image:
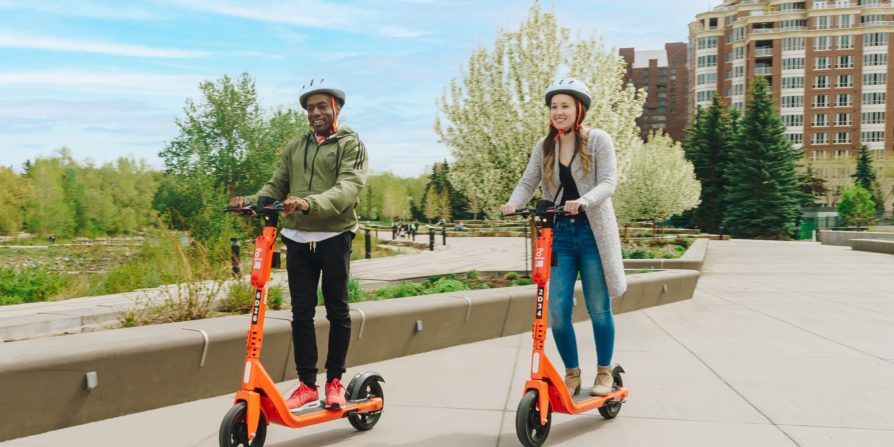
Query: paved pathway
x=784, y=344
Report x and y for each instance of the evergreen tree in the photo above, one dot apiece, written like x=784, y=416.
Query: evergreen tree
x=866, y=178
x=707, y=145
x=440, y=193
x=811, y=187
x=762, y=192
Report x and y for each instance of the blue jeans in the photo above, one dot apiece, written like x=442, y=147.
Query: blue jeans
x=575, y=249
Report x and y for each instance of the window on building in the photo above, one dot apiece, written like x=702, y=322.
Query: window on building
x=822, y=43
x=844, y=62
x=793, y=120
x=846, y=20
x=875, y=39
x=793, y=43
x=873, y=98
x=821, y=82
x=872, y=19
x=842, y=119
x=872, y=118
x=821, y=101
x=844, y=81
x=709, y=60
x=845, y=42
x=792, y=101
x=792, y=82
x=875, y=59
x=874, y=78
x=821, y=63
x=820, y=120
x=793, y=63
x=844, y=100
x=795, y=138
x=823, y=22
x=841, y=138
x=819, y=138
x=872, y=136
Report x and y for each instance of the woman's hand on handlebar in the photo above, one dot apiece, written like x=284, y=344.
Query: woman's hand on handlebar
x=573, y=206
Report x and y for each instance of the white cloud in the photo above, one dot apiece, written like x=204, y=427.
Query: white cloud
x=13, y=40
x=134, y=83
x=70, y=8
x=307, y=13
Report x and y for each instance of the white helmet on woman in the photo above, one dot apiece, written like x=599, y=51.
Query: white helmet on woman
x=569, y=86
x=321, y=86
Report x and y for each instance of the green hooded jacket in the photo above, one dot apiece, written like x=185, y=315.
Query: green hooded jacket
x=328, y=175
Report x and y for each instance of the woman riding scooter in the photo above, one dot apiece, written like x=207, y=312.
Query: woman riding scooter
x=576, y=167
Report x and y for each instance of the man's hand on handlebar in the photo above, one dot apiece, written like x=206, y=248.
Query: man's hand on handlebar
x=508, y=208
x=237, y=202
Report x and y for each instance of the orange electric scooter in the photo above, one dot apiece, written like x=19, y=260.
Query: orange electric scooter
x=545, y=391
x=258, y=401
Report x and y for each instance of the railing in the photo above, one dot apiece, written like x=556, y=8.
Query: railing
x=763, y=52
x=763, y=71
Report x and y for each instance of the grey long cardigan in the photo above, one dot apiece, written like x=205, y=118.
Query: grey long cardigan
x=596, y=190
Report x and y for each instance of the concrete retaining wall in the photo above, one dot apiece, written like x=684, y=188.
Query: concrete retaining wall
x=154, y=366
x=693, y=259
x=834, y=237
x=873, y=245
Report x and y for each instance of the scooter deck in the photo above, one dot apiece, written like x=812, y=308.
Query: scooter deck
x=319, y=408
x=583, y=395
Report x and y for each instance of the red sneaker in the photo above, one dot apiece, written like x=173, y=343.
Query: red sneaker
x=335, y=394
x=303, y=397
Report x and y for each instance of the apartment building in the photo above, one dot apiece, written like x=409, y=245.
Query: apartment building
x=827, y=65
x=665, y=77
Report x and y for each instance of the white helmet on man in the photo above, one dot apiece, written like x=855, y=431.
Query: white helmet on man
x=569, y=86
x=321, y=86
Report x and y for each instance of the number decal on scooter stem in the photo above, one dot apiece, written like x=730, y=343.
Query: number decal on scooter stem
x=540, y=302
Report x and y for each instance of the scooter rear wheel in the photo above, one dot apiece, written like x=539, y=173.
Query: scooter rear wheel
x=527, y=421
x=611, y=410
x=234, y=429
x=370, y=387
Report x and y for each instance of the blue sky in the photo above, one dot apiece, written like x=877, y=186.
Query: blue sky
x=107, y=79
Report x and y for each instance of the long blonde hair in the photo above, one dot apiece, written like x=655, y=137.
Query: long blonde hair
x=581, y=139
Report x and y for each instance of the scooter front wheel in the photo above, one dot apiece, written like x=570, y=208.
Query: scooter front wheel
x=234, y=429
x=527, y=421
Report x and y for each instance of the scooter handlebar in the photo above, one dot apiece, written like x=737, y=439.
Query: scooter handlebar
x=253, y=209
x=558, y=210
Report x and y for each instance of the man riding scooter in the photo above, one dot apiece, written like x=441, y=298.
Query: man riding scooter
x=319, y=178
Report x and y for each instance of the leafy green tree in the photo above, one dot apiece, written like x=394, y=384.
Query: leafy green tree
x=15, y=191
x=493, y=115
x=856, y=207
x=227, y=146
x=48, y=211
x=707, y=145
x=762, y=191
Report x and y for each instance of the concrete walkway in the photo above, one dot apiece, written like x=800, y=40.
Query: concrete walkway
x=784, y=344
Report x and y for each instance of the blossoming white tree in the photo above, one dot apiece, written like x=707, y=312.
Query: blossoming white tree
x=494, y=114
x=660, y=182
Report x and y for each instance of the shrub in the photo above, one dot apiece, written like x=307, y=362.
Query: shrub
x=446, y=284
x=28, y=285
